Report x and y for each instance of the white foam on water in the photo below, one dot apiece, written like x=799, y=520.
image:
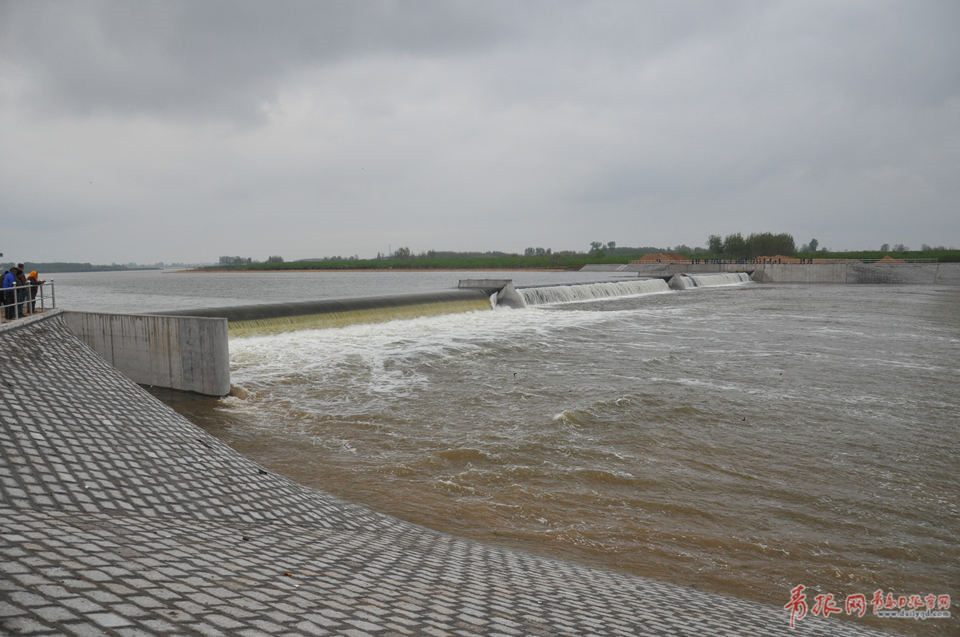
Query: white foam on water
x=391, y=359
x=720, y=279
x=592, y=291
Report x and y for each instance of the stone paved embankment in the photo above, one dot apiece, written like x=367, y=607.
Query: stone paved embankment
x=118, y=516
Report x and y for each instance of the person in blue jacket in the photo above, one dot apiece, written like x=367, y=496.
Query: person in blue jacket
x=9, y=294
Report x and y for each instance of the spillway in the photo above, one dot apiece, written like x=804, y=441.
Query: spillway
x=271, y=318
x=591, y=291
x=689, y=281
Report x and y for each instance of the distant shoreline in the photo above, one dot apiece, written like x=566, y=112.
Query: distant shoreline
x=233, y=271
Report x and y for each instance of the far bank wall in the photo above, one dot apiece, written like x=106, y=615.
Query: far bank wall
x=901, y=273
x=853, y=272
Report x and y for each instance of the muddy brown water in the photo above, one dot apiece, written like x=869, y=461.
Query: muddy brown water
x=740, y=439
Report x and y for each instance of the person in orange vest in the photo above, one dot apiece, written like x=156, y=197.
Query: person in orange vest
x=35, y=283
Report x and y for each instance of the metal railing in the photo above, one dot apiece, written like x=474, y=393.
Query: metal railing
x=20, y=301
x=894, y=260
x=781, y=261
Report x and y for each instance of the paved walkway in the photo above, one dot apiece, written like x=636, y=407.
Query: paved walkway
x=119, y=516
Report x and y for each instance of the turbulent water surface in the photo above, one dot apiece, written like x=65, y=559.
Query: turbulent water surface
x=743, y=439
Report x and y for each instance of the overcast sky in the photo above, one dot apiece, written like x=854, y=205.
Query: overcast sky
x=182, y=131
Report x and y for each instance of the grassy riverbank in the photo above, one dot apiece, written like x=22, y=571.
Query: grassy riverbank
x=939, y=256
x=561, y=261
x=507, y=262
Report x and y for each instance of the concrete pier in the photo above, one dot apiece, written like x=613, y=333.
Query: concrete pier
x=120, y=517
x=506, y=294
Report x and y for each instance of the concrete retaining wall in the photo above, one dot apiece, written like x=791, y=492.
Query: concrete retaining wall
x=850, y=272
x=948, y=273
x=900, y=273
x=185, y=353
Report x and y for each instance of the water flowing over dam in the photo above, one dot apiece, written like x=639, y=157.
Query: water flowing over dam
x=591, y=291
x=689, y=281
x=188, y=349
x=473, y=295
x=271, y=318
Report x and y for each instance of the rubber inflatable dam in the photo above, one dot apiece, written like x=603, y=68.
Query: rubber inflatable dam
x=267, y=318
x=471, y=295
x=118, y=516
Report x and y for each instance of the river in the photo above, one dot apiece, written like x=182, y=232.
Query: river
x=742, y=439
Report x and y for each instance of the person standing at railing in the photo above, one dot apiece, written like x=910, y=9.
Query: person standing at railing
x=22, y=291
x=10, y=294
x=35, y=283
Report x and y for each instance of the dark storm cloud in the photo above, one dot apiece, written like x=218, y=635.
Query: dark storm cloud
x=214, y=58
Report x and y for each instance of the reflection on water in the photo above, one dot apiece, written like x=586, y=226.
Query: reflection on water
x=743, y=440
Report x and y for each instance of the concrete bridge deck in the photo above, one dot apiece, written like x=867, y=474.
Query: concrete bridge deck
x=120, y=517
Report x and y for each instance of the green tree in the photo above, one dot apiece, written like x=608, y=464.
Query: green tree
x=734, y=246
x=596, y=248
x=715, y=244
x=768, y=244
x=235, y=260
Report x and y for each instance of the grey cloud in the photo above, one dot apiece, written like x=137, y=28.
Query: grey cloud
x=218, y=58
x=310, y=128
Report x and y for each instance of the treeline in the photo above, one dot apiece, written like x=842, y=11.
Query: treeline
x=405, y=258
x=940, y=255
x=64, y=266
x=763, y=244
x=438, y=261
x=732, y=247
